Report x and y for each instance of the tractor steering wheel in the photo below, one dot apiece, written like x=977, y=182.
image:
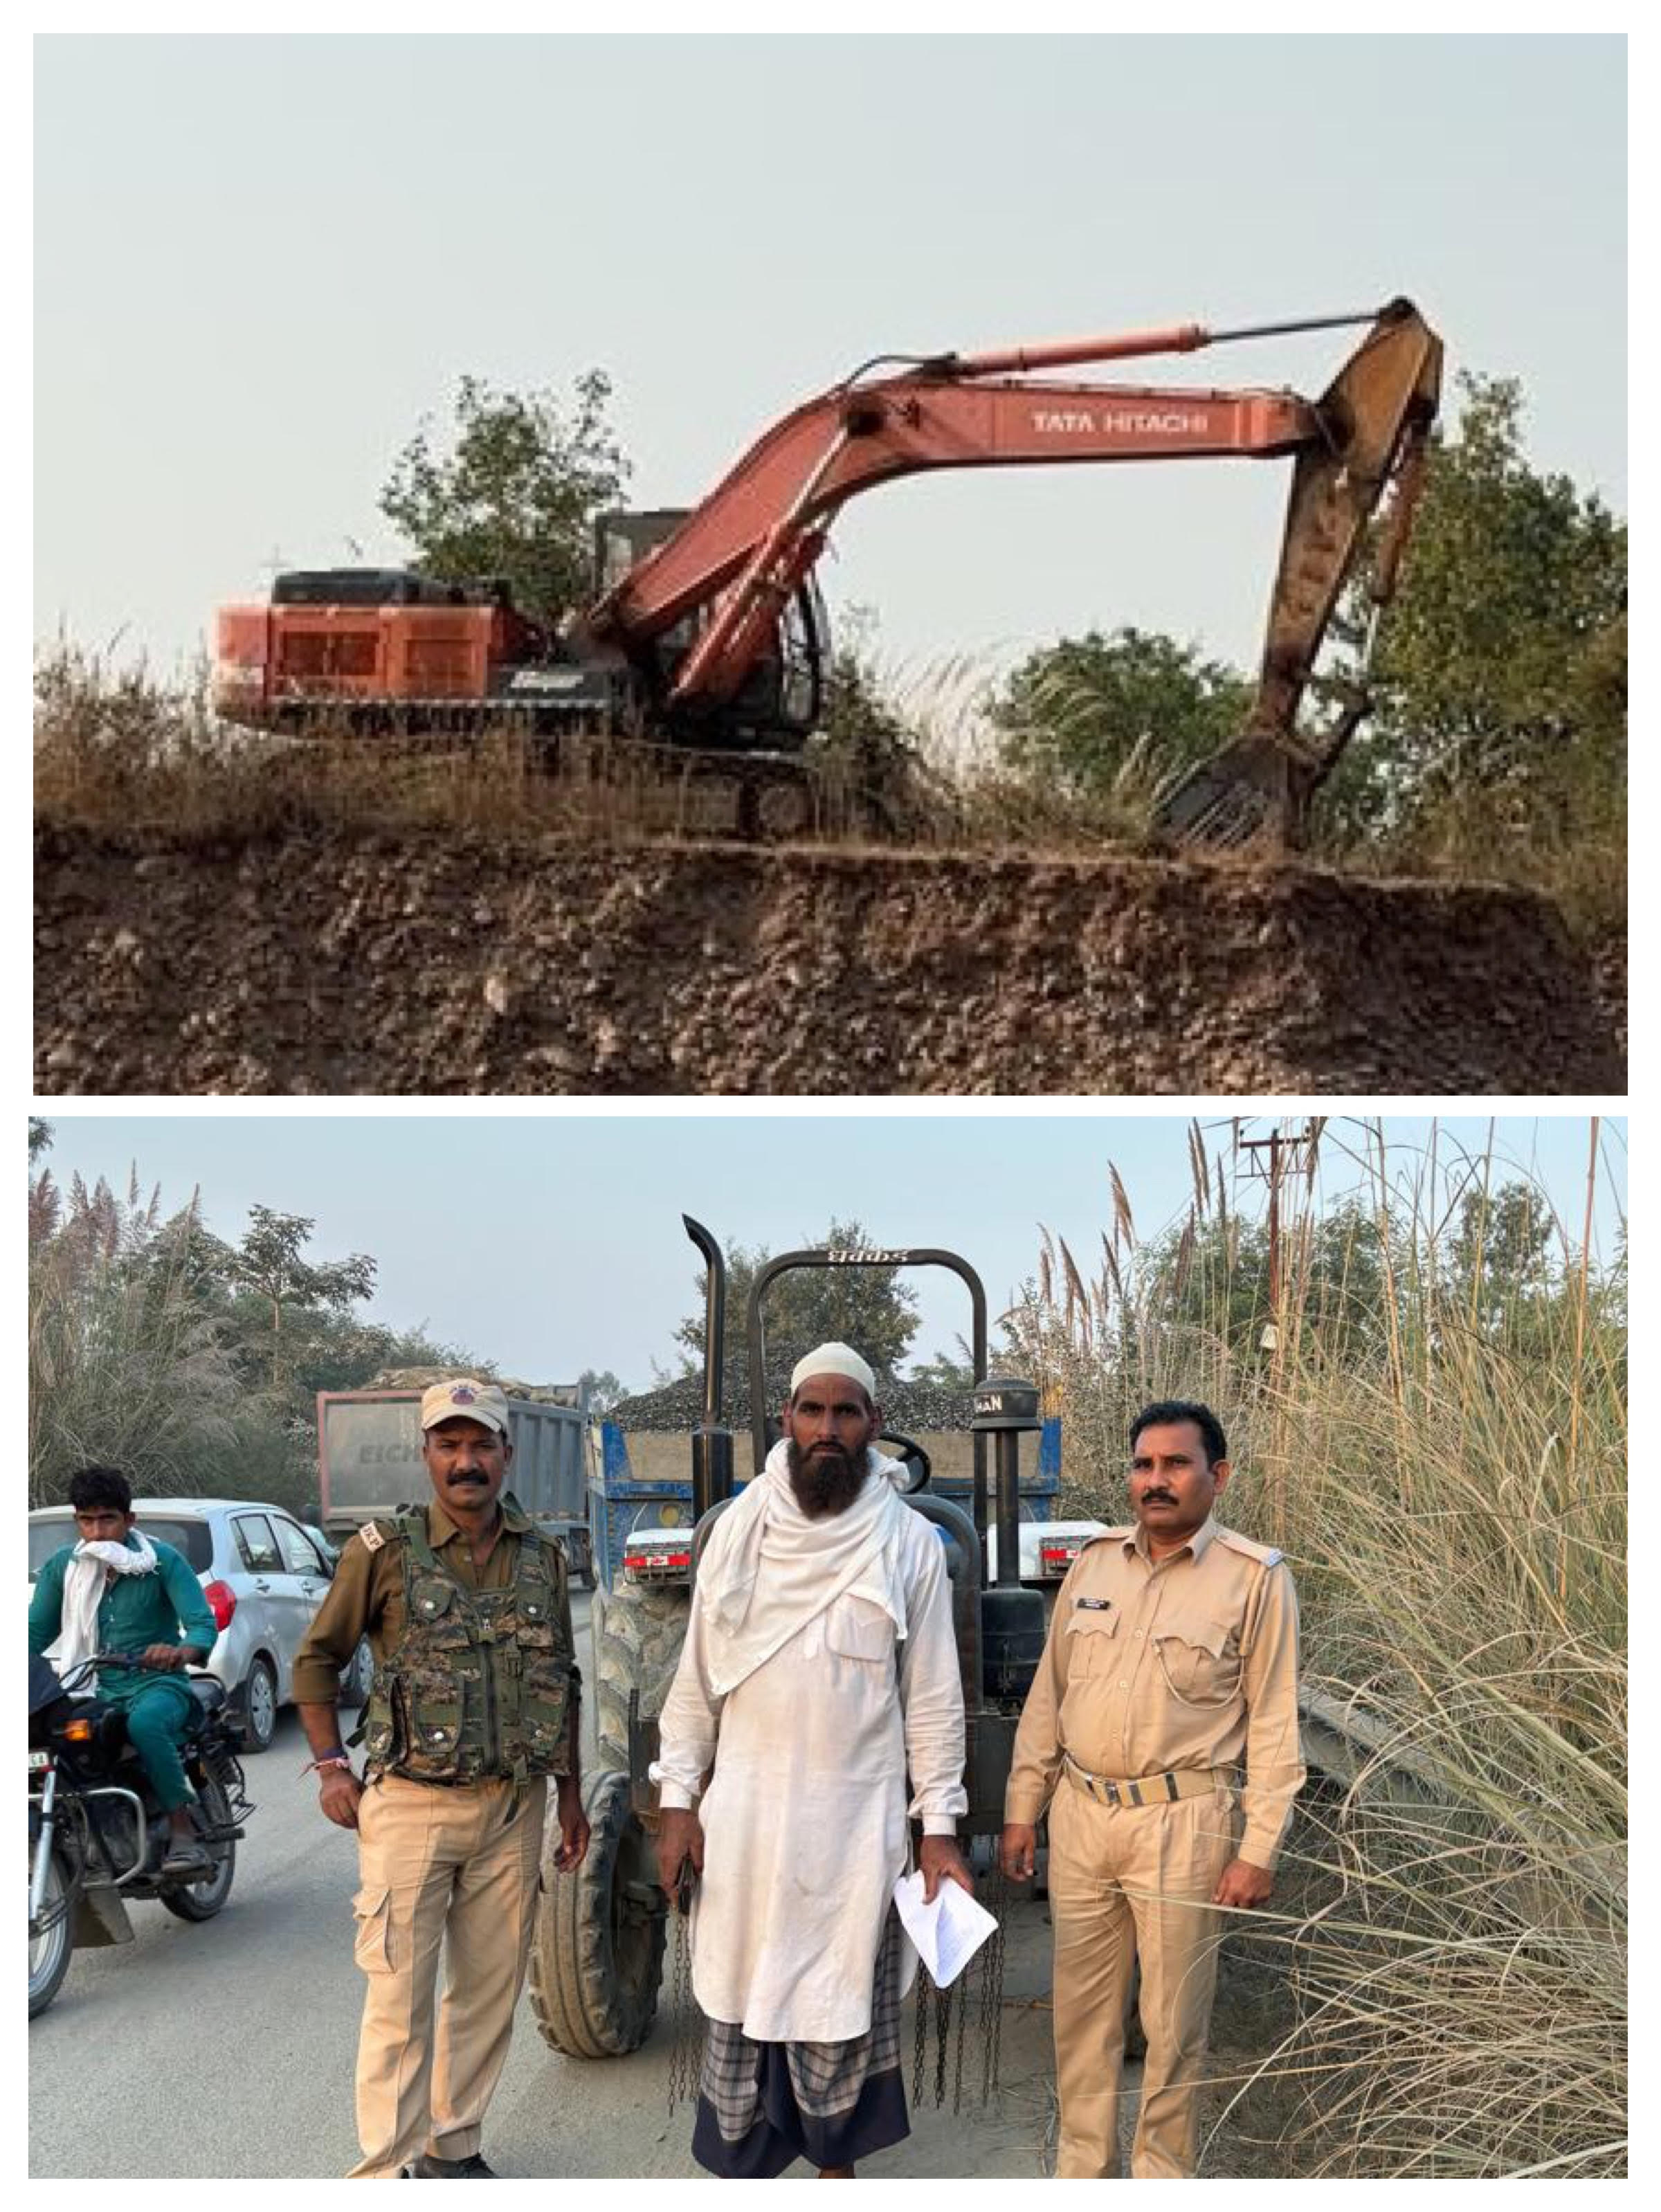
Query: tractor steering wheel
x=913, y=1458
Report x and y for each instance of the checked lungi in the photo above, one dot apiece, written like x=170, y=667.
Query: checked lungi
x=762, y=2106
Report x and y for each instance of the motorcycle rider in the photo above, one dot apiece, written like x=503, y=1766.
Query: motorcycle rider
x=116, y=1591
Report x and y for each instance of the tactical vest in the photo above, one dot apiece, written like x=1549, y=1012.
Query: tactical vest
x=480, y=1685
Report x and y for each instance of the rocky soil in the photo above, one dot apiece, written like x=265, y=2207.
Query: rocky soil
x=463, y=964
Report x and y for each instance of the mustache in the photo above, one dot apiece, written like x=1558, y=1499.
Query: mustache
x=1158, y=1498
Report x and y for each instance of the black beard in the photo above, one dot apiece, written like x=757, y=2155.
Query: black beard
x=826, y=1484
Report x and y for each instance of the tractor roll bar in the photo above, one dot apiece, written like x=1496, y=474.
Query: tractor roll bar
x=763, y=1430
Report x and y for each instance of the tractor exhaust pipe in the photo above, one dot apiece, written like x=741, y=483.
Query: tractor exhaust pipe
x=712, y=1440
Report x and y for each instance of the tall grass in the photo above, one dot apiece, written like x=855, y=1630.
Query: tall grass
x=1442, y=1454
x=116, y=751
x=128, y=1368
x=124, y=1369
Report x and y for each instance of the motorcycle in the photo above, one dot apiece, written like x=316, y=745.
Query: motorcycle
x=97, y=1833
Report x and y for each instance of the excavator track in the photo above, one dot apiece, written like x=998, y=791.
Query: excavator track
x=615, y=780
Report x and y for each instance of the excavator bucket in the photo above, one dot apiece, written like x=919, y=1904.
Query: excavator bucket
x=1242, y=795
x=1375, y=417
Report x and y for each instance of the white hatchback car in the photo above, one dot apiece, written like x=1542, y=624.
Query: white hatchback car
x=263, y=1577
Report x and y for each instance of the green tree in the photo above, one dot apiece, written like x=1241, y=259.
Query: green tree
x=1499, y=677
x=269, y=1263
x=1499, y=1268
x=512, y=490
x=1123, y=711
x=603, y=1388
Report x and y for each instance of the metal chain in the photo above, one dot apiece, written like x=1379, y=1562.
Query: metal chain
x=987, y=1974
x=963, y=2030
x=996, y=1902
x=942, y=2030
x=920, y=2046
x=687, y=2039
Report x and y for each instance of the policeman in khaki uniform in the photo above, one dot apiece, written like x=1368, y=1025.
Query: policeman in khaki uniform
x=474, y=1704
x=1171, y=1662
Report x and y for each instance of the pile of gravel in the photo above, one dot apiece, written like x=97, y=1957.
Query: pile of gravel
x=913, y=1408
x=420, y=1378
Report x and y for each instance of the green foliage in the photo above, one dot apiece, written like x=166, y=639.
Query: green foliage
x=1499, y=734
x=860, y=724
x=1122, y=712
x=269, y=1266
x=868, y=744
x=943, y=1372
x=603, y=1388
x=124, y=1366
x=874, y=1309
x=512, y=491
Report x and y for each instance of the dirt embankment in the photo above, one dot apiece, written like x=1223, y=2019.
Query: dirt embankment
x=364, y=964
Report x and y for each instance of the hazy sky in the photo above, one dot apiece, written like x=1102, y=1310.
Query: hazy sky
x=260, y=260
x=554, y=1244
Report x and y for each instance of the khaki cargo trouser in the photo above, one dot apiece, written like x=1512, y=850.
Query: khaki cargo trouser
x=456, y=1867
x=1129, y=1881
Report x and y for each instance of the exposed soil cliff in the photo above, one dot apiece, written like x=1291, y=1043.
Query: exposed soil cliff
x=375, y=964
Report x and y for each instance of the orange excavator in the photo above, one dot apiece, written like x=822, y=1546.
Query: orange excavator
x=708, y=636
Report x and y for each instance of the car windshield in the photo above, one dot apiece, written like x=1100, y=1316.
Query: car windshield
x=193, y=1538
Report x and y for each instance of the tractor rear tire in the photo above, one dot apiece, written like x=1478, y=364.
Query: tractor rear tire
x=638, y=1632
x=597, y=1948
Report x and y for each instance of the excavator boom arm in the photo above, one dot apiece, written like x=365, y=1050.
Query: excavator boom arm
x=754, y=539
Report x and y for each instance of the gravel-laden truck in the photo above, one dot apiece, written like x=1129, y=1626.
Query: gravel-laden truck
x=369, y=1464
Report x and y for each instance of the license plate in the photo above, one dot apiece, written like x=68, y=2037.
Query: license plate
x=39, y=1761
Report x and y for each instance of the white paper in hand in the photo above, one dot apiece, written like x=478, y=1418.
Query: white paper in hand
x=948, y=1932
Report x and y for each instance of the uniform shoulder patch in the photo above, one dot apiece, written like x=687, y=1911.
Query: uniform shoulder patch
x=1265, y=1554
x=373, y=1534
x=1108, y=1535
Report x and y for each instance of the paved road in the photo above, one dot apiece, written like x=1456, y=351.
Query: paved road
x=228, y=2049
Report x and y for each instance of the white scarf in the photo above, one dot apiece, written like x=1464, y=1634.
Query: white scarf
x=778, y=1569
x=84, y=1592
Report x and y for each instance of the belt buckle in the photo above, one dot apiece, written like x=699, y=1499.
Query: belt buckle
x=1111, y=1790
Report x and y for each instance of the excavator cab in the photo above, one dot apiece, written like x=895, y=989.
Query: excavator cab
x=781, y=699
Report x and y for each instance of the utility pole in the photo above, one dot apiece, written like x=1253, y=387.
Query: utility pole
x=1296, y=1153
x=1285, y=1151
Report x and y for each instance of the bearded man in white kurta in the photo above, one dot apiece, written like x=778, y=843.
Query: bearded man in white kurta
x=819, y=1667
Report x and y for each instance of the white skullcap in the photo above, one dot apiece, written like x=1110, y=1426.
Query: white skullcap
x=834, y=1359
